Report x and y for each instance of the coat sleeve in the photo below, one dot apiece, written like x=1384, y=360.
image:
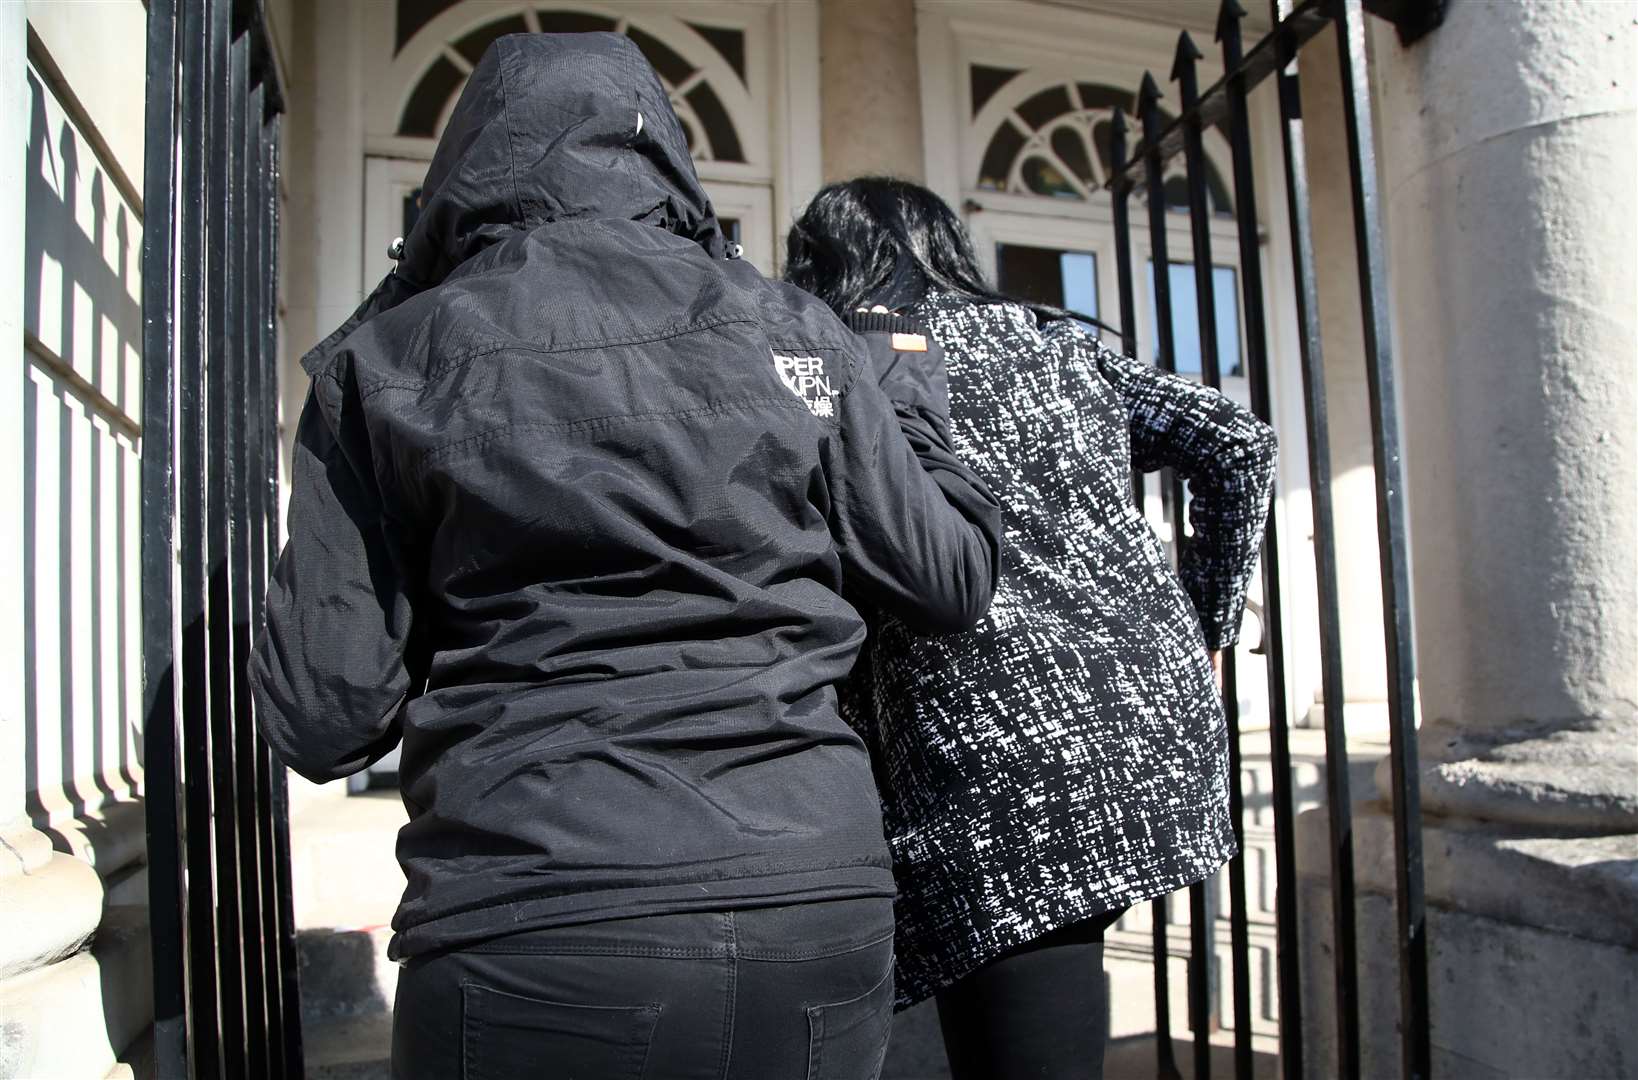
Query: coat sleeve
x=918, y=532
x=1226, y=455
x=328, y=672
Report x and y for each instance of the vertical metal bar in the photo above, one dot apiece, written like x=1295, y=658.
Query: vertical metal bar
x=294, y=1050
x=1411, y=931
x=204, y=941
x=1172, y=495
x=260, y=405
x=1339, y=807
x=1171, y=488
x=1239, y=915
x=1239, y=133
x=234, y=354
x=1285, y=887
x=1202, y=953
x=1120, y=208
x=167, y=891
x=219, y=619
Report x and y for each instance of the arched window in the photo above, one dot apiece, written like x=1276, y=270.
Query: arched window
x=740, y=77
x=712, y=132
x=1056, y=141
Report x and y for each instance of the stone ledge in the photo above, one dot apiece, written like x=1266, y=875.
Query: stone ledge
x=23, y=849
x=73, y=1017
x=1580, y=776
x=50, y=912
x=1584, y=886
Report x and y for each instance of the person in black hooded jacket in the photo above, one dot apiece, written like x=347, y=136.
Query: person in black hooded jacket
x=581, y=510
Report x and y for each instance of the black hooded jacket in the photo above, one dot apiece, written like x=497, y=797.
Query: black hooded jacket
x=581, y=509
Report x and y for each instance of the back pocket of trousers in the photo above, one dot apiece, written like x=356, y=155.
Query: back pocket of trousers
x=511, y=1037
x=848, y=1040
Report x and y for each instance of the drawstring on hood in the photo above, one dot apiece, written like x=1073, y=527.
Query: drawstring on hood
x=550, y=127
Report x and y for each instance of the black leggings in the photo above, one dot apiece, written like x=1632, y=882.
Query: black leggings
x=1040, y=1011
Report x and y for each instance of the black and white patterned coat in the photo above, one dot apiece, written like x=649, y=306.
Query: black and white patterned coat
x=1069, y=756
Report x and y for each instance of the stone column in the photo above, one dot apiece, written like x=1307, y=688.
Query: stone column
x=870, y=89
x=1509, y=138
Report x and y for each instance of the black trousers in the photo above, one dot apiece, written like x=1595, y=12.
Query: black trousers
x=1040, y=1011
x=779, y=993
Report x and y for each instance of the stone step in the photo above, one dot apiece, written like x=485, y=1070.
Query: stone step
x=348, y=1047
x=342, y=863
x=344, y=972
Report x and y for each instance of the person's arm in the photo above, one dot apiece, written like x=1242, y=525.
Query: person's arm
x=328, y=672
x=919, y=534
x=1225, y=454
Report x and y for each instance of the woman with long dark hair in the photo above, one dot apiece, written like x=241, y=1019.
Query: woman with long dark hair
x=576, y=495
x=1067, y=758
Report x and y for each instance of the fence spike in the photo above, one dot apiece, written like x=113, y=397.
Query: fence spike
x=1148, y=93
x=1228, y=33
x=1183, y=65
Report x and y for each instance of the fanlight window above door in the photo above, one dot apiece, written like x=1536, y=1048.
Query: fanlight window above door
x=711, y=131
x=1056, y=143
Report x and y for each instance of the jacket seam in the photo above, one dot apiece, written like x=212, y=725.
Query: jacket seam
x=460, y=360
x=511, y=136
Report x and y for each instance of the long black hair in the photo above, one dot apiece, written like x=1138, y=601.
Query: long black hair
x=877, y=240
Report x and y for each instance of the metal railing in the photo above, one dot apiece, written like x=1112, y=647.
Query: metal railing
x=1224, y=106
x=225, y=995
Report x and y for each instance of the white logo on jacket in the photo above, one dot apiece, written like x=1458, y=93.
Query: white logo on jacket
x=805, y=376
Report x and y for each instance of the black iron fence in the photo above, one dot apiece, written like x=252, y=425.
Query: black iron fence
x=225, y=998
x=1224, y=106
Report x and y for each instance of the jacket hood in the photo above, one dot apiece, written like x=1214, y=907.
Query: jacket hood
x=553, y=127
x=550, y=127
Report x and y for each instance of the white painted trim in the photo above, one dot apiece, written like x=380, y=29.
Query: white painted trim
x=941, y=85
x=796, y=112
x=338, y=234
x=13, y=133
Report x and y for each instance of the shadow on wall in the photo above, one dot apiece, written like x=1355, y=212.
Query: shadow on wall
x=82, y=338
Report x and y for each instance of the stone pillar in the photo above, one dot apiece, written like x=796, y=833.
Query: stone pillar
x=870, y=89
x=1508, y=139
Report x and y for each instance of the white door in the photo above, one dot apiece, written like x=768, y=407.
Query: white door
x=392, y=192
x=746, y=213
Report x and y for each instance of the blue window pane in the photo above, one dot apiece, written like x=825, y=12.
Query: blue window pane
x=1185, y=319
x=1050, y=276
x=1080, y=275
